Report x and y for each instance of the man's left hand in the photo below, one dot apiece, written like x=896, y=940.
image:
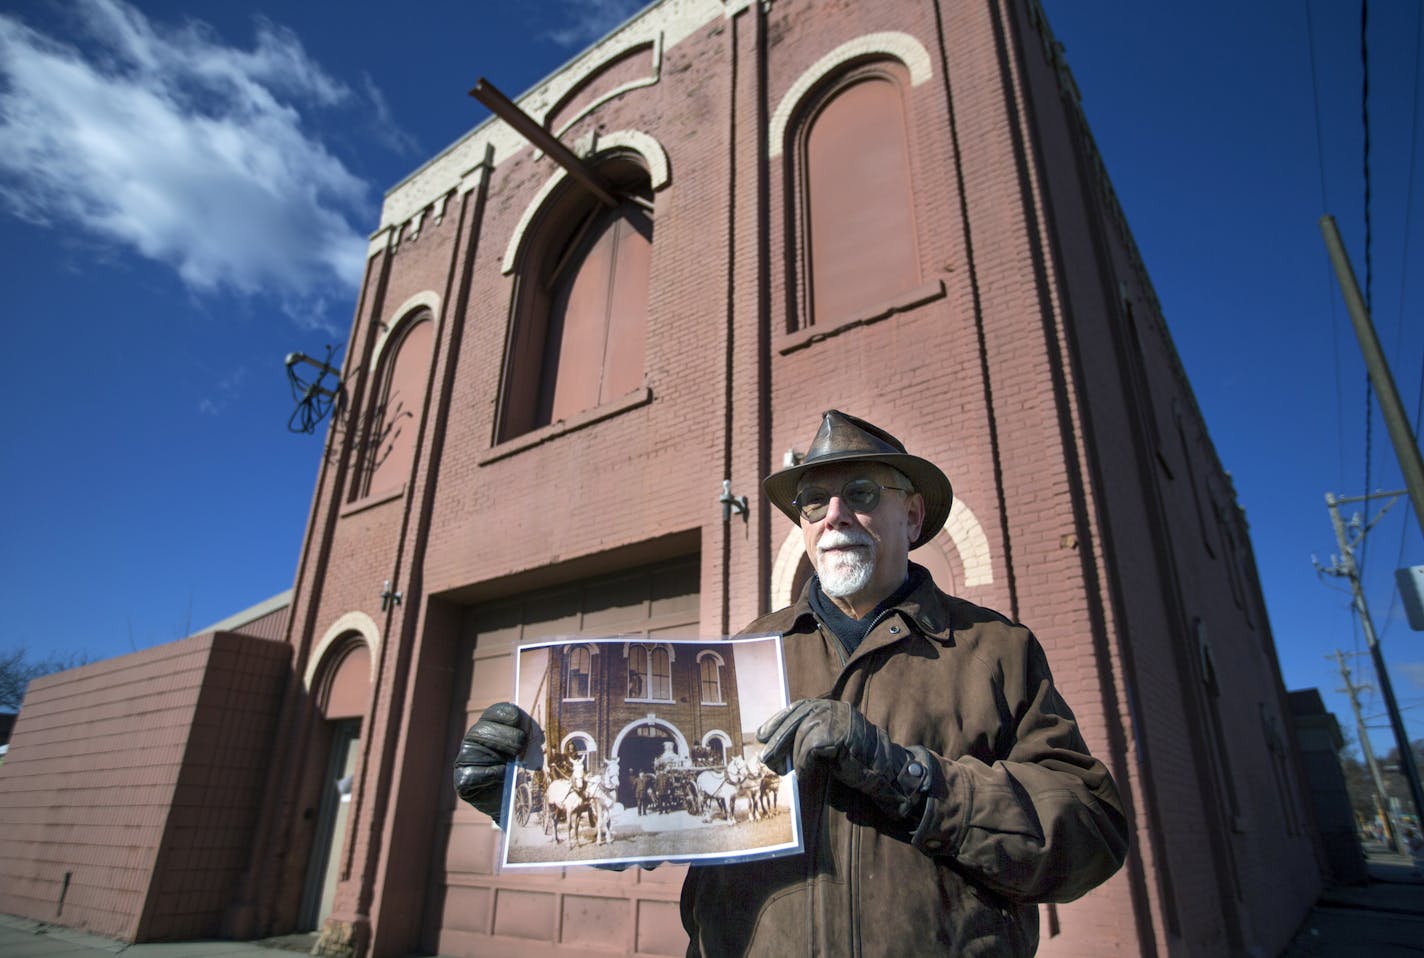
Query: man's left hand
x=856, y=751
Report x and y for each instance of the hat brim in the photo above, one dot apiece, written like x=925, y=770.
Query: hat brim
x=927, y=478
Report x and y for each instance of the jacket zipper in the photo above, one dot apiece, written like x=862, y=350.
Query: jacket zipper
x=852, y=859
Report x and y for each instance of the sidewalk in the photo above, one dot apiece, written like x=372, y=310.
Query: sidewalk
x=1384, y=919
x=23, y=938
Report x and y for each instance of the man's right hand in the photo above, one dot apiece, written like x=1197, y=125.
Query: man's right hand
x=490, y=744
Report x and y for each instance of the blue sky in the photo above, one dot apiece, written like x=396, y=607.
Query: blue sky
x=185, y=198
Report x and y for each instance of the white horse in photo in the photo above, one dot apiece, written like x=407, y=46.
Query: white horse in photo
x=602, y=797
x=566, y=798
x=723, y=787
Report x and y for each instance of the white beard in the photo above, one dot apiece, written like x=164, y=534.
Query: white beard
x=845, y=571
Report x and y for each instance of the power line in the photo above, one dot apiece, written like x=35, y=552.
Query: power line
x=1404, y=258
x=1369, y=257
x=1409, y=182
x=1324, y=205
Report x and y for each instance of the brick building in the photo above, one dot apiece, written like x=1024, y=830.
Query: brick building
x=895, y=209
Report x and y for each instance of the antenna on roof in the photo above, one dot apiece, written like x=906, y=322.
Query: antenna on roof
x=314, y=400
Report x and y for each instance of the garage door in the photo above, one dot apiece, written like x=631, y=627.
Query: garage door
x=572, y=910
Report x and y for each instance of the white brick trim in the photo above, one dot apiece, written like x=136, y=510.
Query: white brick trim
x=350, y=622
x=901, y=46
x=783, y=569
x=428, y=299
x=971, y=543
x=673, y=20
x=655, y=71
x=644, y=144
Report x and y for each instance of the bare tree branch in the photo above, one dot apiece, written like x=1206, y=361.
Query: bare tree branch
x=17, y=669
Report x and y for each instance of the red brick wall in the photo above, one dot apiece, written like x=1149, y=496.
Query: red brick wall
x=272, y=626
x=139, y=778
x=1175, y=555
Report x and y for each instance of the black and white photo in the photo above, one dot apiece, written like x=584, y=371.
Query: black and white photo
x=644, y=750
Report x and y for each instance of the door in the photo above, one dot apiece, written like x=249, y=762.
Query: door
x=324, y=869
x=570, y=911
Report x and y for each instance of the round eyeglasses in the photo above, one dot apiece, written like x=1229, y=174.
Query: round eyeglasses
x=862, y=495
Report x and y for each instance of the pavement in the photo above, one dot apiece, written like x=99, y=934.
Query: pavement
x=23, y=938
x=1381, y=919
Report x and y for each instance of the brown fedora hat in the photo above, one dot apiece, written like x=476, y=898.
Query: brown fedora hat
x=844, y=438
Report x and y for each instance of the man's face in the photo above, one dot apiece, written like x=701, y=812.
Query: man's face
x=861, y=556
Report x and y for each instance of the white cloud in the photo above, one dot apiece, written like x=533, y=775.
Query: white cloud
x=583, y=21
x=225, y=392
x=385, y=128
x=193, y=153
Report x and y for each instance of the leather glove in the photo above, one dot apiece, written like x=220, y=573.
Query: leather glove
x=490, y=744
x=856, y=751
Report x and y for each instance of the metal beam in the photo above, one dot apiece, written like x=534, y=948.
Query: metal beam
x=526, y=126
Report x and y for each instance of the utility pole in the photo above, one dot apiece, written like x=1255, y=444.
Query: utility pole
x=1381, y=805
x=1346, y=567
x=1406, y=446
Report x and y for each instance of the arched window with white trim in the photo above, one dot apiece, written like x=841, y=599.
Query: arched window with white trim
x=393, y=420
x=709, y=669
x=649, y=673
x=581, y=303
x=578, y=672
x=854, y=218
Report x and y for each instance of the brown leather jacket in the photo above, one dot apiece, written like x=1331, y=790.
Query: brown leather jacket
x=1023, y=813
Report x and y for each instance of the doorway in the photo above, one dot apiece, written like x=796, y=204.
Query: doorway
x=324, y=867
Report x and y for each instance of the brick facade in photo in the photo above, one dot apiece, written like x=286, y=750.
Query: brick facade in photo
x=895, y=209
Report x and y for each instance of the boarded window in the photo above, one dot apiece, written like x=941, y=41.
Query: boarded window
x=582, y=310
x=395, y=416
x=859, y=245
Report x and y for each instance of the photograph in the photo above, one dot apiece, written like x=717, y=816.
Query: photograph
x=644, y=750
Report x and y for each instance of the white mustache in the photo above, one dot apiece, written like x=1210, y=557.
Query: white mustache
x=837, y=539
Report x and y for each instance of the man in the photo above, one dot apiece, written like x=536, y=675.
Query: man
x=944, y=786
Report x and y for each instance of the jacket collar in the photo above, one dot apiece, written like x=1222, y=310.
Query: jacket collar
x=926, y=610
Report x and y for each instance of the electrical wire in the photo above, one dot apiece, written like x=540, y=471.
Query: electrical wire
x=1409, y=183
x=1369, y=259
x=1329, y=272
x=1394, y=599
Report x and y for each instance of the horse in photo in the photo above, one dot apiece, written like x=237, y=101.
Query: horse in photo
x=602, y=797
x=723, y=787
x=763, y=787
x=565, y=798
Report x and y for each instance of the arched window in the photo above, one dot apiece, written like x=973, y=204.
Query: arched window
x=854, y=197
x=662, y=675
x=581, y=309
x=577, y=671
x=637, y=672
x=710, y=669
x=388, y=448
x=579, y=744
x=649, y=673
x=344, y=685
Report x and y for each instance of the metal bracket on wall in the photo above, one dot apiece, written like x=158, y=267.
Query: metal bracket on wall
x=388, y=597
x=731, y=503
